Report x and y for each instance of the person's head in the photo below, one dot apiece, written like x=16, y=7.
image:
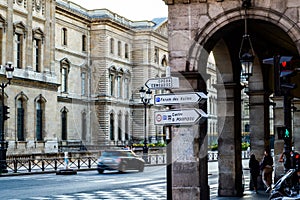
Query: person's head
x=267, y=152
x=252, y=156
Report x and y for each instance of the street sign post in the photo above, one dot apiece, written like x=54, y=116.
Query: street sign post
x=162, y=83
x=182, y=117
x=182, y=98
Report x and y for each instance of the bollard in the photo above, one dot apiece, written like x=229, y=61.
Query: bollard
x=66, y=170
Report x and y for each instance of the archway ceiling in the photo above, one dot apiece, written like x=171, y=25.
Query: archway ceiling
x=267, y=40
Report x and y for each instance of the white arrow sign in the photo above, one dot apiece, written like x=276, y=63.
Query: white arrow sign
x=186, y=116
x=163, y=83
x=182, y=98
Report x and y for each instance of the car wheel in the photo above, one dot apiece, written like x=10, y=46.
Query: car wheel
x=122, y=168
x=100, y=171
x=141, y=168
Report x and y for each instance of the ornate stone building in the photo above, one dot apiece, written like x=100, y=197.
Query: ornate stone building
x=77, y=74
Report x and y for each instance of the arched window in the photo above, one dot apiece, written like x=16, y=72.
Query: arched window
x=38, y=37
x=20, y=120
x=64, y=124
x=111, y=127
x=39, y=120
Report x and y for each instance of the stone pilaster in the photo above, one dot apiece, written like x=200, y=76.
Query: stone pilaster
x=296, y=125
x=229, y=143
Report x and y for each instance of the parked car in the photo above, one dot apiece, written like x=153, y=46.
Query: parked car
x=120, y=160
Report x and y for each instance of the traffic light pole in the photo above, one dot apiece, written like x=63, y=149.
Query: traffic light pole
x=288, y=127
x=3, y=143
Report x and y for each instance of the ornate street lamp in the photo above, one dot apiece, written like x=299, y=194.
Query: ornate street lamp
x=145, y=98
x=9, y=69
x=246, y=53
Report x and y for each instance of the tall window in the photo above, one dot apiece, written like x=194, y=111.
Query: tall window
x=83, y=131
x=112, y=45
x=39, y=121
x=126, y=88
x=126, y=51
x=64, y=125
x=64, y=36
x=111, y=127
x=119, y=126
x=65, y=68
x=119, y=48
x=111, y=83
x=18, y=50
x=20, y=120
x=84, y=42
x=156, y=55
x=119, y=86
x=37, y=54
x=126, y=127
x=83, y=81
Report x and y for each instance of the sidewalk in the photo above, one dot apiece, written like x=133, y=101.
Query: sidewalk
x=248, y=195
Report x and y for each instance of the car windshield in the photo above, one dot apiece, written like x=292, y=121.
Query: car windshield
x=117, y=153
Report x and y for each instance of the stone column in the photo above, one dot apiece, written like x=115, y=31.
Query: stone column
x=278, y=143
x=229, y=143
x=259, y=125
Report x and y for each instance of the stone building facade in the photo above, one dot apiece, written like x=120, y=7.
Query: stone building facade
x=77, y=75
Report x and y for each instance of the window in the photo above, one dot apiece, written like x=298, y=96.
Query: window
x=83, y=80
x=83, y=131
x=64, y=36
x=20, y=120
x=119, y=86
x=119, y=48
x=37, y=54
x=39, y=121
x=126, y=127
x=156, y=55
x=18, y=50
x=65, y=68
x=2, y=30
x=126, y=88
x=119, y=126
x=84, y=43
x=64, y=124
x=112, y=44
x=126, y=51
x=112, y=85
x=20, y=32
x=111, y=127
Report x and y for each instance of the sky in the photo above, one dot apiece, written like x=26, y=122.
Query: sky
x=135, y=10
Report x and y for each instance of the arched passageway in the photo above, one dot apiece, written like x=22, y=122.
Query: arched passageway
x=196, y=29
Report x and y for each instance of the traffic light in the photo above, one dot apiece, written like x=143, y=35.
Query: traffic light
x=287, y=66
x=6, y=112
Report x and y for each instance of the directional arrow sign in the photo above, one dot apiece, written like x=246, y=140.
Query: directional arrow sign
x=163, y=83
x=183, y=117
x=182, y=98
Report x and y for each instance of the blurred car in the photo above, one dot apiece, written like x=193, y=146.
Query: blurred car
x=120, y=160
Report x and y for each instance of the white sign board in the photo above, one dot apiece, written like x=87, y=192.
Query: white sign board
x=184, y=117
x=181, y=98
x=163, y=83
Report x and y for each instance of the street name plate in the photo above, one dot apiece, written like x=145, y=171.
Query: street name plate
x=183, y=117
x=181, y=98
x=163, y=83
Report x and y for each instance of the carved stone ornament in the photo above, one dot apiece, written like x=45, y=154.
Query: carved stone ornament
x=38, y=5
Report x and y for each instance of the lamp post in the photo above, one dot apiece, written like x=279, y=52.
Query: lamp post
x=246, y=54
x=4, y=112
x=145, y=98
